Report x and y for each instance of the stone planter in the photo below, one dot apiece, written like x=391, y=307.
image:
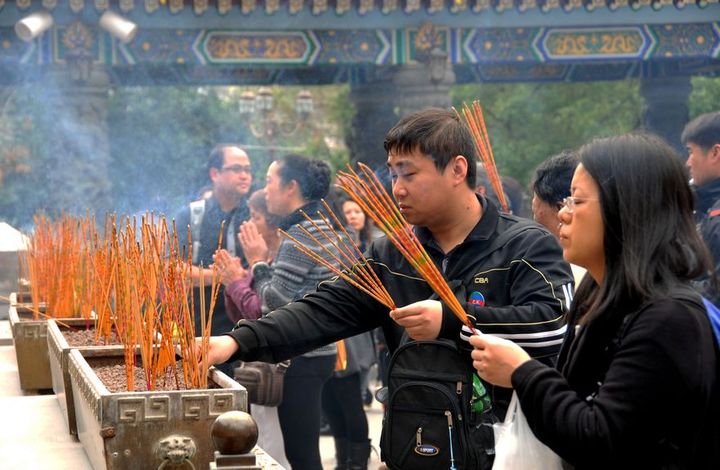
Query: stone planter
x=31, y=350
x=58, y=353
x=146, y=430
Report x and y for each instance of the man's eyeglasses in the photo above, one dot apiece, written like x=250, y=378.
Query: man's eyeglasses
x=570, y=202
x=237, y=169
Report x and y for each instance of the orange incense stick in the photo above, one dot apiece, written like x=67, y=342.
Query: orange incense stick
x=369, y=194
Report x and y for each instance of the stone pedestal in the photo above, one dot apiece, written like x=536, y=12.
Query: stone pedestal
x=382, y=100
x=666, y=107
x=79, y=152
x=422, y=86
x=375, y=114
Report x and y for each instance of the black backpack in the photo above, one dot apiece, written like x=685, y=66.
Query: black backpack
x=429, y=422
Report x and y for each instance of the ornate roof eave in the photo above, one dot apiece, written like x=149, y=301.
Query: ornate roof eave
x=317, y=7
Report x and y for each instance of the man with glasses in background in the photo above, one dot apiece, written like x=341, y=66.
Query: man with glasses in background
x=230, y=175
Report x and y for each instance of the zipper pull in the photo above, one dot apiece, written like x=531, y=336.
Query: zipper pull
x=458, y=388
x=448, y=413
x=418, y=437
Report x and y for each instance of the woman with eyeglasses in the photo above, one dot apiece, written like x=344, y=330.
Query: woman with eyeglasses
x=636, y=383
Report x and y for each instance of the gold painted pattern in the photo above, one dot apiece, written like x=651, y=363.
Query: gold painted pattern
x=594, y=43
x=227, y=47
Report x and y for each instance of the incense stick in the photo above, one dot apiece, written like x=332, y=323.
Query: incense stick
x=369, y=194
x=475, y=120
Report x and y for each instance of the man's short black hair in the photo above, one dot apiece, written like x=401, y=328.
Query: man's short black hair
x=217, y=156
x=438, y=133
x=703, y=131
x=552, y=179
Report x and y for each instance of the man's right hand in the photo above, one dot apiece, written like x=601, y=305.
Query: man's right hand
x=220, y=348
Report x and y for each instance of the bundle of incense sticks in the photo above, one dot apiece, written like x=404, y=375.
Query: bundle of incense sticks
x=476, y=122
x=350, y=264
x=369, y=194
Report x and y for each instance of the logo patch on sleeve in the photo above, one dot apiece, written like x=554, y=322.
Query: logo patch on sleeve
x=476, y=298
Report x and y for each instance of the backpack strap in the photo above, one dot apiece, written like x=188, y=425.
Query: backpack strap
x=197, y=211
x=714, y=316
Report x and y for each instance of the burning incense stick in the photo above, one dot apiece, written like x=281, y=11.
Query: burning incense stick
x=369, y=194
x=351, y=265
x=476, y=123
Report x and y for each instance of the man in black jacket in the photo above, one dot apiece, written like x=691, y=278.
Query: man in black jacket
x=508, y=273
x=701, y=137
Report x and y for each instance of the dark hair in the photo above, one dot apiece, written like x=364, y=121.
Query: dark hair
x=703, y=131
x=217, y=156
x=313, y=176
x=257, y=202
x=339, y=198
x=437, y=133
x=650, y=238
x=552, y=178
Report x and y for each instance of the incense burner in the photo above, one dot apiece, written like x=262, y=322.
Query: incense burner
x=58, y=353
x=31, y=350
x=154, y=429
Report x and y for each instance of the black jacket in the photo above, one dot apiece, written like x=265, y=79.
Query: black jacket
x=707, y=215
x=523, y=282
x=641, y=394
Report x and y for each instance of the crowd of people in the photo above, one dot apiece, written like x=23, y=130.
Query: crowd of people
x=593, y=315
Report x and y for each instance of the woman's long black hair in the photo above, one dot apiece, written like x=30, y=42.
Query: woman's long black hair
x=651, y=242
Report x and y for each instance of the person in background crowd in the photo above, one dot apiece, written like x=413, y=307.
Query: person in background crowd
x=431, y=158
x=295, y=185
x=638, y=337
x=243, y=302
x=364, y=228
x=701, y=136
x=366, y=232
x=550, y=186
x=343, y=394
x=230, y=173
x=514, y=194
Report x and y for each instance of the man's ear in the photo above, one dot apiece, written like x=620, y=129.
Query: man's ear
x=293, y=187
x=213, y=173
x=459, y=168
x=714, y=153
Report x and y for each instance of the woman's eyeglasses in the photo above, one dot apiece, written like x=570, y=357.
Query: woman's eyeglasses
x=570, y=202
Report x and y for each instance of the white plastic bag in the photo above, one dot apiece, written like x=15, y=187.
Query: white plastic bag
x=517, y=448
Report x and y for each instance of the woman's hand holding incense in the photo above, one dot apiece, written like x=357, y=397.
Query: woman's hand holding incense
x=253, y=244
x=422, y=320
x=496, y=358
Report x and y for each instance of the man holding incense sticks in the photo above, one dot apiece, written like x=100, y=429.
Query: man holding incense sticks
x=508, y=274
x=225, y=209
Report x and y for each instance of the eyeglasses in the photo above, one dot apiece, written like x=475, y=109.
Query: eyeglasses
x=237, y=169
x=570, y=202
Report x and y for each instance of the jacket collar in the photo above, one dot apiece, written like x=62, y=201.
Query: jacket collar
x=707, y=195
x=214, y=205
x=311, y=208
x=483, y=230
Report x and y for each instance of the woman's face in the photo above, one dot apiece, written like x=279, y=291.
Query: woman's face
x=260, y=222
x=354, y=215
x=276, y=195
x=581, y=226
